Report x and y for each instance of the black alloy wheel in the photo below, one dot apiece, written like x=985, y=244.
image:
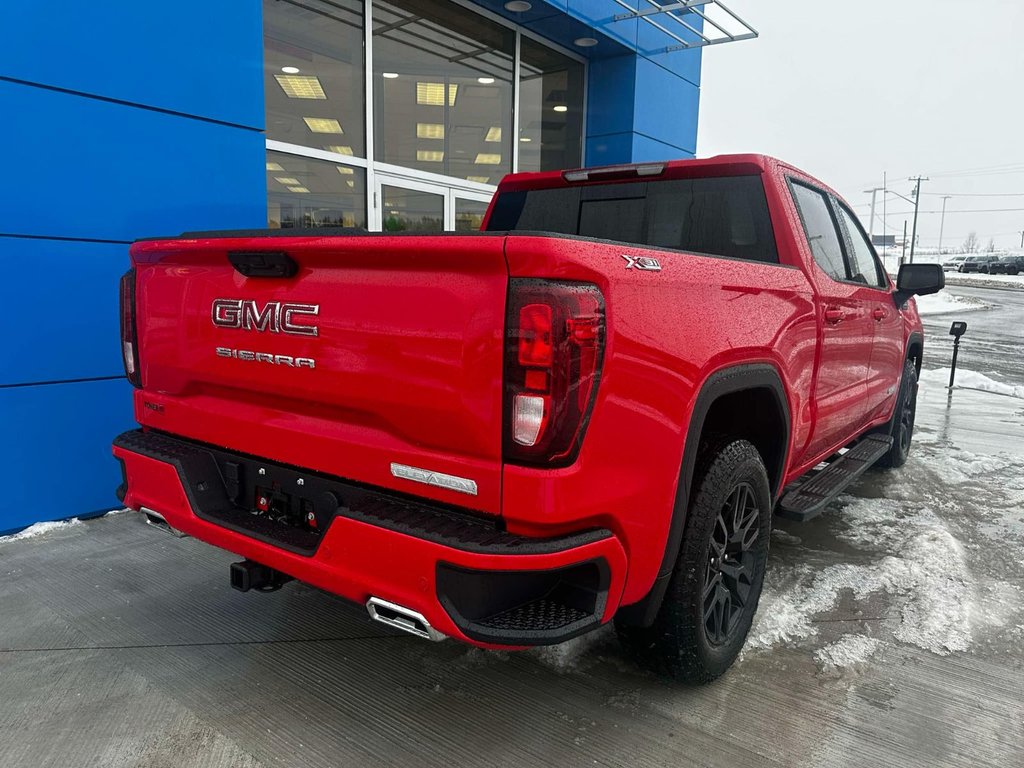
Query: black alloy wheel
x=907, y=413
x=729, y=577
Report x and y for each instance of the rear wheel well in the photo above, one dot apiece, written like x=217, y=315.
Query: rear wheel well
x=754, y=415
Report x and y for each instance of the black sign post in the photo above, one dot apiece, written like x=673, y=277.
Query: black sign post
x=956, y=330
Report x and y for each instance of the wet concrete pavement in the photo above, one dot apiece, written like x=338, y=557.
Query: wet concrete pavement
x=890, y=633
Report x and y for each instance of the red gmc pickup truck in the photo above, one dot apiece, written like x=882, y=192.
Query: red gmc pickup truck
x=590, y=410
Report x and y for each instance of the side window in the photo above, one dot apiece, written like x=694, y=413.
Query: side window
x=821, y=231
x=863, y=263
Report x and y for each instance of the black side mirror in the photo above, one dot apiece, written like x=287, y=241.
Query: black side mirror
x=919, y=280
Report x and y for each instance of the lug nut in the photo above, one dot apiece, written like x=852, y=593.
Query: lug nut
x=263, y=471
x=300, y=481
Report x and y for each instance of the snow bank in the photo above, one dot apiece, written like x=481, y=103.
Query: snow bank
x=39, y=529
x=985, y=281
x=967, y=379
x=943, y=302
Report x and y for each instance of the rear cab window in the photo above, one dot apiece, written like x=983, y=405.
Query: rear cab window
x=717, y=216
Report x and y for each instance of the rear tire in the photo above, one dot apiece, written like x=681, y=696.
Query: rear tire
x=712, y=596
x=901, y=425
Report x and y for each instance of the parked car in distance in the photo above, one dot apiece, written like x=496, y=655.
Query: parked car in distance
x=1006, y=265
x=953, y=264
x=976, y=263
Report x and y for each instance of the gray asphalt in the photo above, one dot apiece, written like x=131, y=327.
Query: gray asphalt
x=994, y=341
x=890, y=633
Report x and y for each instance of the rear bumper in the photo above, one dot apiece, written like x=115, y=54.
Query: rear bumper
x=466, y=576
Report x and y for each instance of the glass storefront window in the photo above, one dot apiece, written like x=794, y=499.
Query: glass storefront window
x=469, y=214
x=408, y=210
x=550, y=109
x=313, y=74
x=302, y=192
x=442, y=89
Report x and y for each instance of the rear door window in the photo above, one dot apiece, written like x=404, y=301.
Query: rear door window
x=721, y=216
x=820, y=228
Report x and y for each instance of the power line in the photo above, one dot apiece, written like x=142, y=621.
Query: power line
x=975, y=194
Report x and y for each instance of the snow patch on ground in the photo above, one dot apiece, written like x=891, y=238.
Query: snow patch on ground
x=39, y=529
x=566, y=657
x=923, y=578
x=944, y=302
x=848, y=651
x=967, y=379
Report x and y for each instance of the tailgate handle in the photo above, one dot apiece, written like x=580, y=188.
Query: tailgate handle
x=263, y=263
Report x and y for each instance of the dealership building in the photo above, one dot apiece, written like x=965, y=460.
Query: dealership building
x=127, y=119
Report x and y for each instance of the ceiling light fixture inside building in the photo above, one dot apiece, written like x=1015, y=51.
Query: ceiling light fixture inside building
x=288, y=181
x=429, y=131
x=525, y=138
x=300, y=190
x=479, y=179
x=560, y=108
x=274, y=167
x=518, y=6
x=485, y=80
x=429, y=155
x=390, y=75
x=432, y=94
x=301, y=87
x=585, y=42
x=493, y=134
x=325, y=124
x=339, y=149
x=344, y=170
x=484, y=158
x=291, y=70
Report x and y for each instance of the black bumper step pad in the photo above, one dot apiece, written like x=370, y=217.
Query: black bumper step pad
x=543, y=615
x=809, y=497
x=218, y=485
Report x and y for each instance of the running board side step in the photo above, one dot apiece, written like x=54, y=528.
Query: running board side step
x=808, y=497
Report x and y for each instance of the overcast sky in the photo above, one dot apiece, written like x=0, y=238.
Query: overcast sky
x=847, y=91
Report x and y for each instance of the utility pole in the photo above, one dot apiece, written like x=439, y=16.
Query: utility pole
x=942, y=221
x=1022, y=238
x=917, y=203
x=871, y=222
x=903, y=257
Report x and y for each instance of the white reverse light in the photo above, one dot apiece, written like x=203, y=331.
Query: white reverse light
x=527, y=419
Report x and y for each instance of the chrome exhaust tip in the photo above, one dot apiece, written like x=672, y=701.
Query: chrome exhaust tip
x=154, y=518
x=396, y=616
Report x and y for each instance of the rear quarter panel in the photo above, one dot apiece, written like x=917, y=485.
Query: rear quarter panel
x=668, y=331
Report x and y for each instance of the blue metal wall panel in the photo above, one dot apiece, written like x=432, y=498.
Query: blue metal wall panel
x=60, y=464
x=610, y=148
x=67, y=299
x=121, y=119
x=665, y=106
x=610, y=95
x=645, y=148
x=192, y=56
x=86, y=168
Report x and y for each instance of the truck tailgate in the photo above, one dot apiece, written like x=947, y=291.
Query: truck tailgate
x=379, y=360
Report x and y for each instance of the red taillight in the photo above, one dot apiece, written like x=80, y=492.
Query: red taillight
x=553, y=349
x=129, y=336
